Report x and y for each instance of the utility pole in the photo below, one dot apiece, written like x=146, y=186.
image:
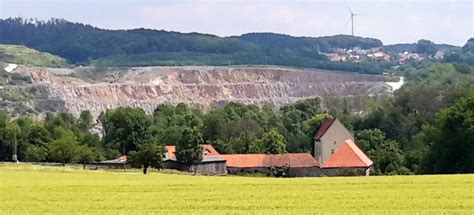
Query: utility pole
x=15, y=146
x=125, y=156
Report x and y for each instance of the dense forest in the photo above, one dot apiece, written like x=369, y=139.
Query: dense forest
x=426, y=127
x=83, y=45
x=465, y=55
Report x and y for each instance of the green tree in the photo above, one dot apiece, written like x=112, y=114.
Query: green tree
x=149, y=154
x=189, y=147
x=451, y=139
x=64, y=149
x=273, y=142
x=35, y=153
x=386, y=154
x=37, y=139
x=85, y=121
x=425, y=47
x=86, y=155
x=124, y=129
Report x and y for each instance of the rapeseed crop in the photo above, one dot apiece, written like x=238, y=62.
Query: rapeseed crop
x=26, y=189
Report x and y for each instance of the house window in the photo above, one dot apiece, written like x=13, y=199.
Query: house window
x=332, y=151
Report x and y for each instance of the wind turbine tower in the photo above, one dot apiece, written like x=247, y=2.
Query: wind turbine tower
x=352, y=20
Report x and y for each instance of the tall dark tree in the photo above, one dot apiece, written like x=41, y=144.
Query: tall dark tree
x=189, y=147
x=451, y=139
x=124, y=129
x=273, y=143
x=64, y=148
x=85, y=120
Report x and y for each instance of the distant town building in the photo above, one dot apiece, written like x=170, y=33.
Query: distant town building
x=439, y=55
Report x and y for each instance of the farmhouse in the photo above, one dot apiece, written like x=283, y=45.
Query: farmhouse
x=211, y=164
x=335, y=150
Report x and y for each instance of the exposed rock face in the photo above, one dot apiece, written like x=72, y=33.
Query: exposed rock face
x=147, y=87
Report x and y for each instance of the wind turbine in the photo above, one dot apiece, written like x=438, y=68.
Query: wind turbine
x=351, y=18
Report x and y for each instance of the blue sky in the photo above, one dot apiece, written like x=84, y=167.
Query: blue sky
x=403, y=21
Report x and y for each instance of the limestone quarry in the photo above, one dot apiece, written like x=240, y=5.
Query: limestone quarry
x=98, y=89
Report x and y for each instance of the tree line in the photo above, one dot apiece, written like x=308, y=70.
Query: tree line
x=84, y=44
x=426, y=127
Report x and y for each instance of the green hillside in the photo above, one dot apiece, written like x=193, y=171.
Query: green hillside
x=83, y=44
x=19, y=54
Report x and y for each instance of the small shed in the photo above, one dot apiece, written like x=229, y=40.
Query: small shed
x=211, y=163
x=207, y=166
x=119, y=163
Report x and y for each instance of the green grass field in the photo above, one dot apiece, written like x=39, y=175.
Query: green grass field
x=27, y=56
x=26, y=189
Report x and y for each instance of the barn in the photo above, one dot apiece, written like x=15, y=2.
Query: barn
x=211, y=164
x=294, y=164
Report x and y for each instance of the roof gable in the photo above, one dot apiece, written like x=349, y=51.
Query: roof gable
x=348, y=155
x=324, y=127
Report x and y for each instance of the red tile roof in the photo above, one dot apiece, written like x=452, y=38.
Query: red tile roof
x=348, y=155
x=269, y=160
x=123, y=158
x=208, y=151
x=324, y=127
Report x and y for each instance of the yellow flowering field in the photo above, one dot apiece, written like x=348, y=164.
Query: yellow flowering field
x=27, y=189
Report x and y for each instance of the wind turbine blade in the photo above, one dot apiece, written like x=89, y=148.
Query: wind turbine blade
x=347, y=22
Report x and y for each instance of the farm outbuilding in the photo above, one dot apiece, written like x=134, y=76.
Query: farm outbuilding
x=207, y=166
x=295, y=164
x=119, y=163
x=348, y=159
x=211, y=163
